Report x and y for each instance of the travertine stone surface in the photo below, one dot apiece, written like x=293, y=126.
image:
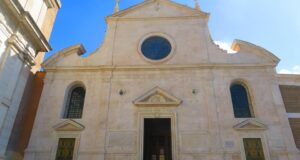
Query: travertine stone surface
x=21, y=38
x=198, y=75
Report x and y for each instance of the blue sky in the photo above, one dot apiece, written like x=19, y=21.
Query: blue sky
x=272, y=24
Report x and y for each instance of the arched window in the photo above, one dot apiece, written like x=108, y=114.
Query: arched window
x=241, y=101
x=74, y=105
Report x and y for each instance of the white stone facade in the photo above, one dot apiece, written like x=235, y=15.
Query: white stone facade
x=21, y=39
x=190, y=87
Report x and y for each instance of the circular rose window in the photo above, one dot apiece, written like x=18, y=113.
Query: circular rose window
x=156, y=48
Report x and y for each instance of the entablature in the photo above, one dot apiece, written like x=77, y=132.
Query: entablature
x=28, y=23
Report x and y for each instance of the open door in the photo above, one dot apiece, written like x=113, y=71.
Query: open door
x=157, y=139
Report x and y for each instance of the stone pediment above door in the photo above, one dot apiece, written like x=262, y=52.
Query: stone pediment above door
x=250, y=124
x=68, y=125
x=157, y=97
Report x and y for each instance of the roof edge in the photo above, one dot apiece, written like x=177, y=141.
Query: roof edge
x=78, y=48
x=123, y=12
x=238, y=44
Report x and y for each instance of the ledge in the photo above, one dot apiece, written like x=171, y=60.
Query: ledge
x=289, y=79
x=78, y=48
x=289, y=76
x=238, y=45
x=6, y=102
x=154, y=67
x=53, y=3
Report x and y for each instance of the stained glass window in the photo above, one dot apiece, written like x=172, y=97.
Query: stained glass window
x=156, y=48
x=240, y=101
x=75, y=104
x=253, y=149
x=65, y=149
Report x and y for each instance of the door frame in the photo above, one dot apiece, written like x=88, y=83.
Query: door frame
x=170, y=115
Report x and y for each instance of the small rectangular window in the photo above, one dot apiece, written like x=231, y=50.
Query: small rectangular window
x=253, y=149
x=65, y=149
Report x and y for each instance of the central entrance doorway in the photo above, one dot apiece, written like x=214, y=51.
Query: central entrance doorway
x=157, y=139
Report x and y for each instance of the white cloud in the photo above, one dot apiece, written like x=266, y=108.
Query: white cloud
x=294, y=70
x=226, y=46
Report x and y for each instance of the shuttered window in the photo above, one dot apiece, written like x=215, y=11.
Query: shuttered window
x=65, y=149
x=253, y=149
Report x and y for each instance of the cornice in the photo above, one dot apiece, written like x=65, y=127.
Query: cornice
x=29, y=24
x=289, y=76
x=237, y=45
x=78, y=48
x=21, y=50
x=159, y=67
x=289, y=79
x=152, y=18
x=195, y=12
x=53, y=3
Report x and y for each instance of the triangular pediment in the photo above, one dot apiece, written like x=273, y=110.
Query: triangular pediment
x=250, y=124
x=69, y=125
x=157, y=97
x=158, y=8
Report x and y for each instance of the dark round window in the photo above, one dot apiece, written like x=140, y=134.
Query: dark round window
x=156, y=48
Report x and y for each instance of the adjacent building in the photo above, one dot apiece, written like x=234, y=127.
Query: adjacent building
x=290, y=90
x=158, y=88
x=25, y=28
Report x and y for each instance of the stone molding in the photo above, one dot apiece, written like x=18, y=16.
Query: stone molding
x=155, y=67
x=262, y=136
x=78, y=49
x=150, y=18
x=238, y=45
x=4, y=28
x=21, y=51
x=160, y=34
x=142, y=114
x=69, y=125
x=6, y=102
x=157, y=97
x=250, y=124
x=29, y=25
x=289, y=79
x=53, y=3
x=145, y=3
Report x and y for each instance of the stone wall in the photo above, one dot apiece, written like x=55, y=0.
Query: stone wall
x=191, y=87
x=203, y=123
x=21, y=38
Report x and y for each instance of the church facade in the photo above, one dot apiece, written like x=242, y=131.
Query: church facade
x=158, y=88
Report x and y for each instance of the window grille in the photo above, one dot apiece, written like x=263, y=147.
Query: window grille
x=156, y=48
x=65, y=149
x=253, y=149
x=75, y=104
x=240, y=101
